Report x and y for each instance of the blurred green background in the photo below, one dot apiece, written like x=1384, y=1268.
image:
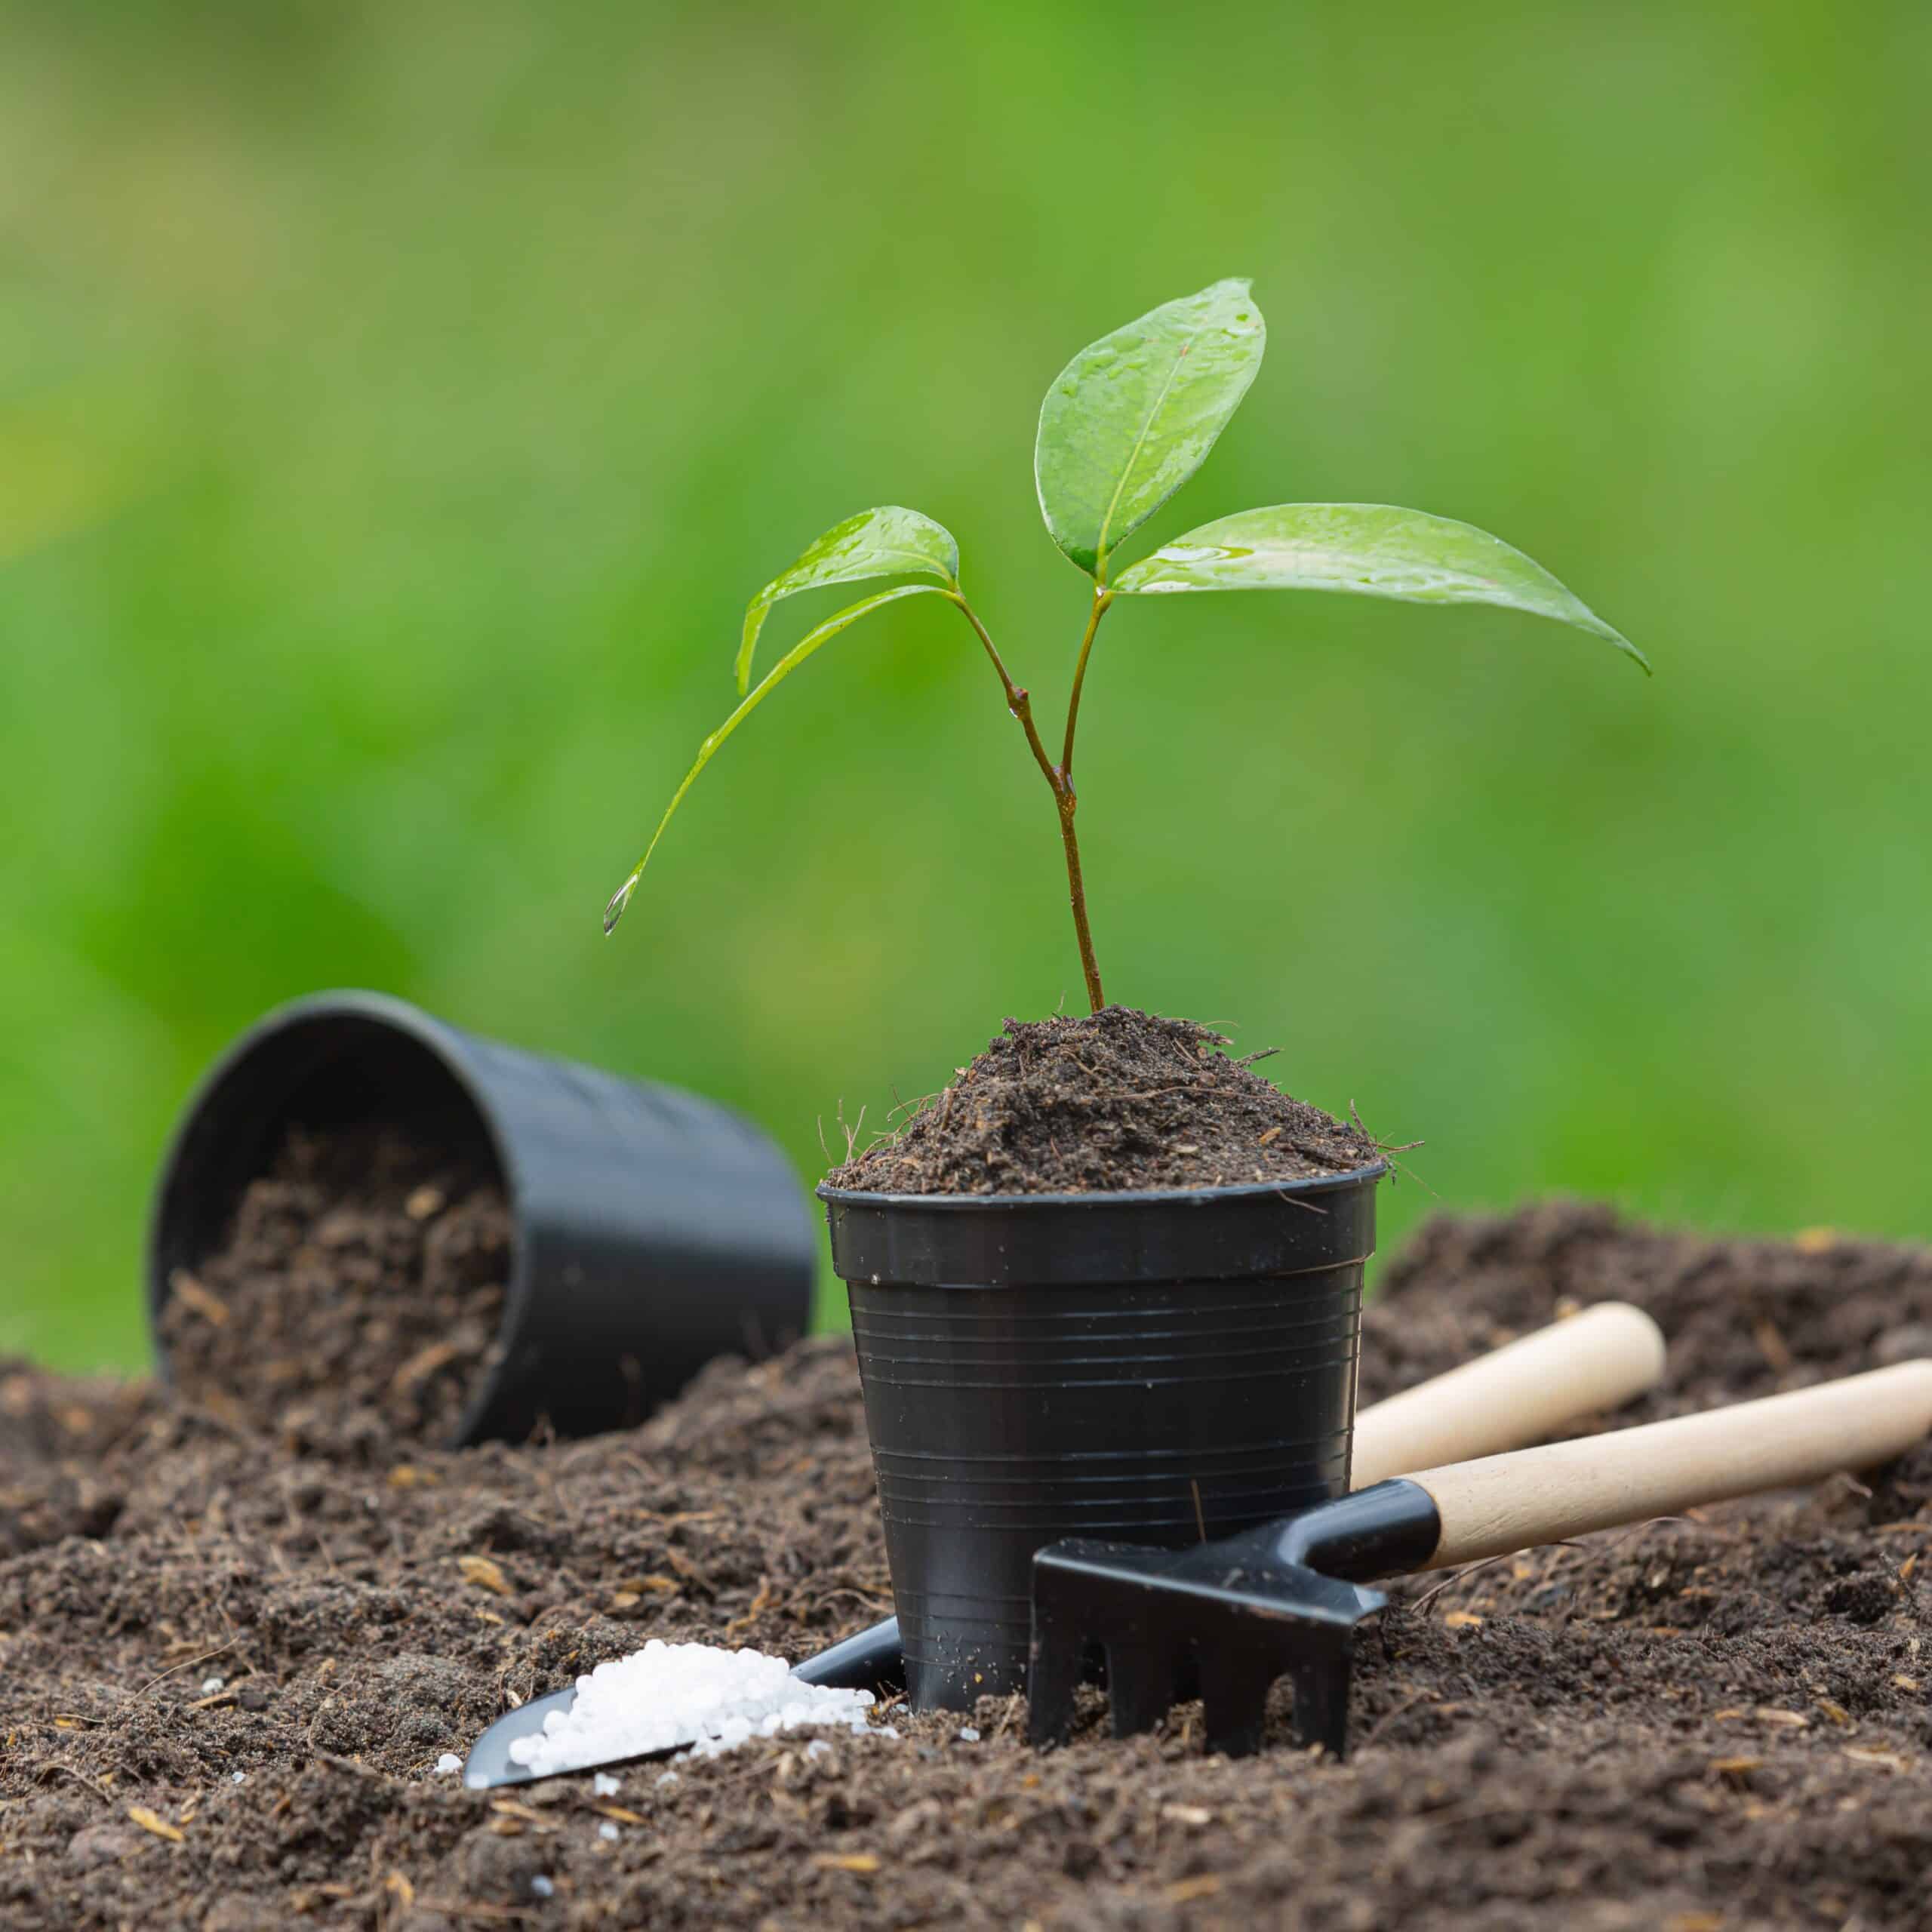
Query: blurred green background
x=398, y=403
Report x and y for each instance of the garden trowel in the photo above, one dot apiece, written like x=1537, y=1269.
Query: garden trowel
x=1520, y=1393
x=1284, y=1599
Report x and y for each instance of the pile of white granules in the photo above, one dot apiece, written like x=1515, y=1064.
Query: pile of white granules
x=667, y=1696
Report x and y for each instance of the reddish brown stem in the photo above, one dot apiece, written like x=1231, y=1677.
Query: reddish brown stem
x=1066, y=802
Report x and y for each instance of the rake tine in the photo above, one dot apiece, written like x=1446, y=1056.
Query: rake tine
x=1234, y=1700
x=1053, y=1677
x=1140, y=1686
x=1322, y=1702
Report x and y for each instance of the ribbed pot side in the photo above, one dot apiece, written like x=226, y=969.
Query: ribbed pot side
x=1153, y=1368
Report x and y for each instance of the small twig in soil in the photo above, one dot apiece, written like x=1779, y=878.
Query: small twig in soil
x=1594, y=1553
x=1313, y=1150
x=799, y=1606
x=1295, y=1200
x=1261, y=1054
x=1398, y=1170
x=79, y=1777
x=498, y=1915
x=187, y=1663
x=1423, y=1601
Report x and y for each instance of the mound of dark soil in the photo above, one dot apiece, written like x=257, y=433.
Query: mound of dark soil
x=357, y=1296
x=229, y=1667
x=1116, y=1099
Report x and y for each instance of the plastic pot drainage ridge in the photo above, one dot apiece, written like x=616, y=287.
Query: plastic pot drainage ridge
x=652, y=1230
x=1159, y=1367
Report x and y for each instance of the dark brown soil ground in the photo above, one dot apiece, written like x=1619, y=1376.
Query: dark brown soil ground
x=1717, y=1722
x=1116, y=1099
x=357, y=1296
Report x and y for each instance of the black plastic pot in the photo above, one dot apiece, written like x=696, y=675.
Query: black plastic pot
x=1156, y=1367
x=653, y=1230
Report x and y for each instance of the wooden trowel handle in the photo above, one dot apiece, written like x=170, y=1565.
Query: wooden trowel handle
x=1539, y=1496
x=1533, y=1388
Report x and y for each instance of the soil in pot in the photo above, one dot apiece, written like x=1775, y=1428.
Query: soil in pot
x=1722, y=1721
x=358, y=1294
x=1098, y=1102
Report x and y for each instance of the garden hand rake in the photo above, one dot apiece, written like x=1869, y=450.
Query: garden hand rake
x=1284, y=1599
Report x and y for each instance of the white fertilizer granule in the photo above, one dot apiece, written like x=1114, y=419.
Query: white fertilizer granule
x=448, y=1762
x=695, y=1695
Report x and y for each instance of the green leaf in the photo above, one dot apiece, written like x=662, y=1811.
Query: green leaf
x=1133, y=417
x=1370, y=550
x=886, y=541
x=777, y=675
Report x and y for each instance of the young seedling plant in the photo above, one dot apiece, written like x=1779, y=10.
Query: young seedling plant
x=1125, y=424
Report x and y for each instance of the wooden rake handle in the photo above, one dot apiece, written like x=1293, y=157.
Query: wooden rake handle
x=1503, y=1503
x=1530, y=1390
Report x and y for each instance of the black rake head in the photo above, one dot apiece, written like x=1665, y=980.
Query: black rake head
x=1223, y=1619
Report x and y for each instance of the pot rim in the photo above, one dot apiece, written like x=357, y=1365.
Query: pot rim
x=1168, y=1197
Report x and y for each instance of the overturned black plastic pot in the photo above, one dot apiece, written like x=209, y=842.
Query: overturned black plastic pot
x=1159, y=1367
x=651, y=1230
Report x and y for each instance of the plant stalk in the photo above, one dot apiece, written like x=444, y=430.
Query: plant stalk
x=1102, y=598
x=1077, y=891
x=1065, y=801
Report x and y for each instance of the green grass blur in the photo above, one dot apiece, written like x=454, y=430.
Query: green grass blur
x=398, y=403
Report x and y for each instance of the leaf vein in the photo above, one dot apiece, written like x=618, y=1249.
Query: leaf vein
x=1139, y=442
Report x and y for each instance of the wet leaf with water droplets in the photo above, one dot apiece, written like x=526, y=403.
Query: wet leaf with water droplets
x=1133, y=417
x=779, y=673
x=1367, y=550
x=885, y=542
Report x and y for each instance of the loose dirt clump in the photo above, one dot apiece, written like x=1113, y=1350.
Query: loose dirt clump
x=229, y=1665
x=357, y=1296
x=1113, y=1100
